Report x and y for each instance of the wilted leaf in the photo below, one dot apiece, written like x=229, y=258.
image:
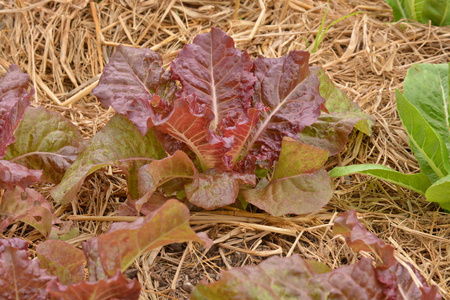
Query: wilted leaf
x=358, y=238
x=124, y=242
x=213, y=189
x=20, y=277
x=45, y=141
x=12, y=174
x=14, y=99
x=135, y=85
x=29, y=207
x=116, y=287
x=95, y=268
x=63, y=260
x=118, y=143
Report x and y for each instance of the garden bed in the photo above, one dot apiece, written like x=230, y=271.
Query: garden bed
x=64, y=45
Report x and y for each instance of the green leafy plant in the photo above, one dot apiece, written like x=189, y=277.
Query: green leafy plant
x=424, y=109
x=436, y=11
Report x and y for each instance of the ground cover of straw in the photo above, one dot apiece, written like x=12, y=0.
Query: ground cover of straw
x=64, y=45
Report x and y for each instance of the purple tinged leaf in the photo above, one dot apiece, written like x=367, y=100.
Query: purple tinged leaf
x=94, y=265
x=274, y=278
x=119, y=143
x=117, y=287
x=301, y=194
x=213, y=115
x=135, y=85
x=12, y=174
x=152, y=176
x=63, y=260
x=45, y=141
x=218, y=74
x=290, y=92
x=20, y=277
x=29, y=207
x=396, y=279
x=358, y=238
x=14, y=99
x=214, y=189
x=124, y=242
x=294, y=278
x=190, y=124
x=332, y=128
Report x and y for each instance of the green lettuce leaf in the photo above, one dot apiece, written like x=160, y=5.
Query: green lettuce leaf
x=440, y=192
x=119, y=143
x=45, y=141
x=428, y=146
x=416, y=182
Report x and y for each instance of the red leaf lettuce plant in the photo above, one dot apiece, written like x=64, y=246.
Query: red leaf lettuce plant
x=34, y=138
x=384, y=277
x=35, y=144
x=233, y=127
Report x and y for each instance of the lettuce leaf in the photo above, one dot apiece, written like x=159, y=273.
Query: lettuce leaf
x=295, y=278
x=14, y=99
x=45, y=141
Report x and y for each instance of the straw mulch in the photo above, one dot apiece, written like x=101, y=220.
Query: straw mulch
x=64, y=45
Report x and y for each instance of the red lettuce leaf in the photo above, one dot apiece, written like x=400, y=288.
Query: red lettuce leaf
x=190, y=123
x=398, y=283
x=359, y=239
x=63, y=260
x=290, y=93
x=119, y=143
x=45, y=141
x=294, y=278
x=29, y=207
x=213, y=114
x=218, y=74
x=274, y=278
x=124, y=242
x=14, y=99
x=214, y=189
x=20, y=277
x=12, y=174
x=94, y=265
x=158, y=173
x=135, y=85
x=332, y=128
x=116, y=287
